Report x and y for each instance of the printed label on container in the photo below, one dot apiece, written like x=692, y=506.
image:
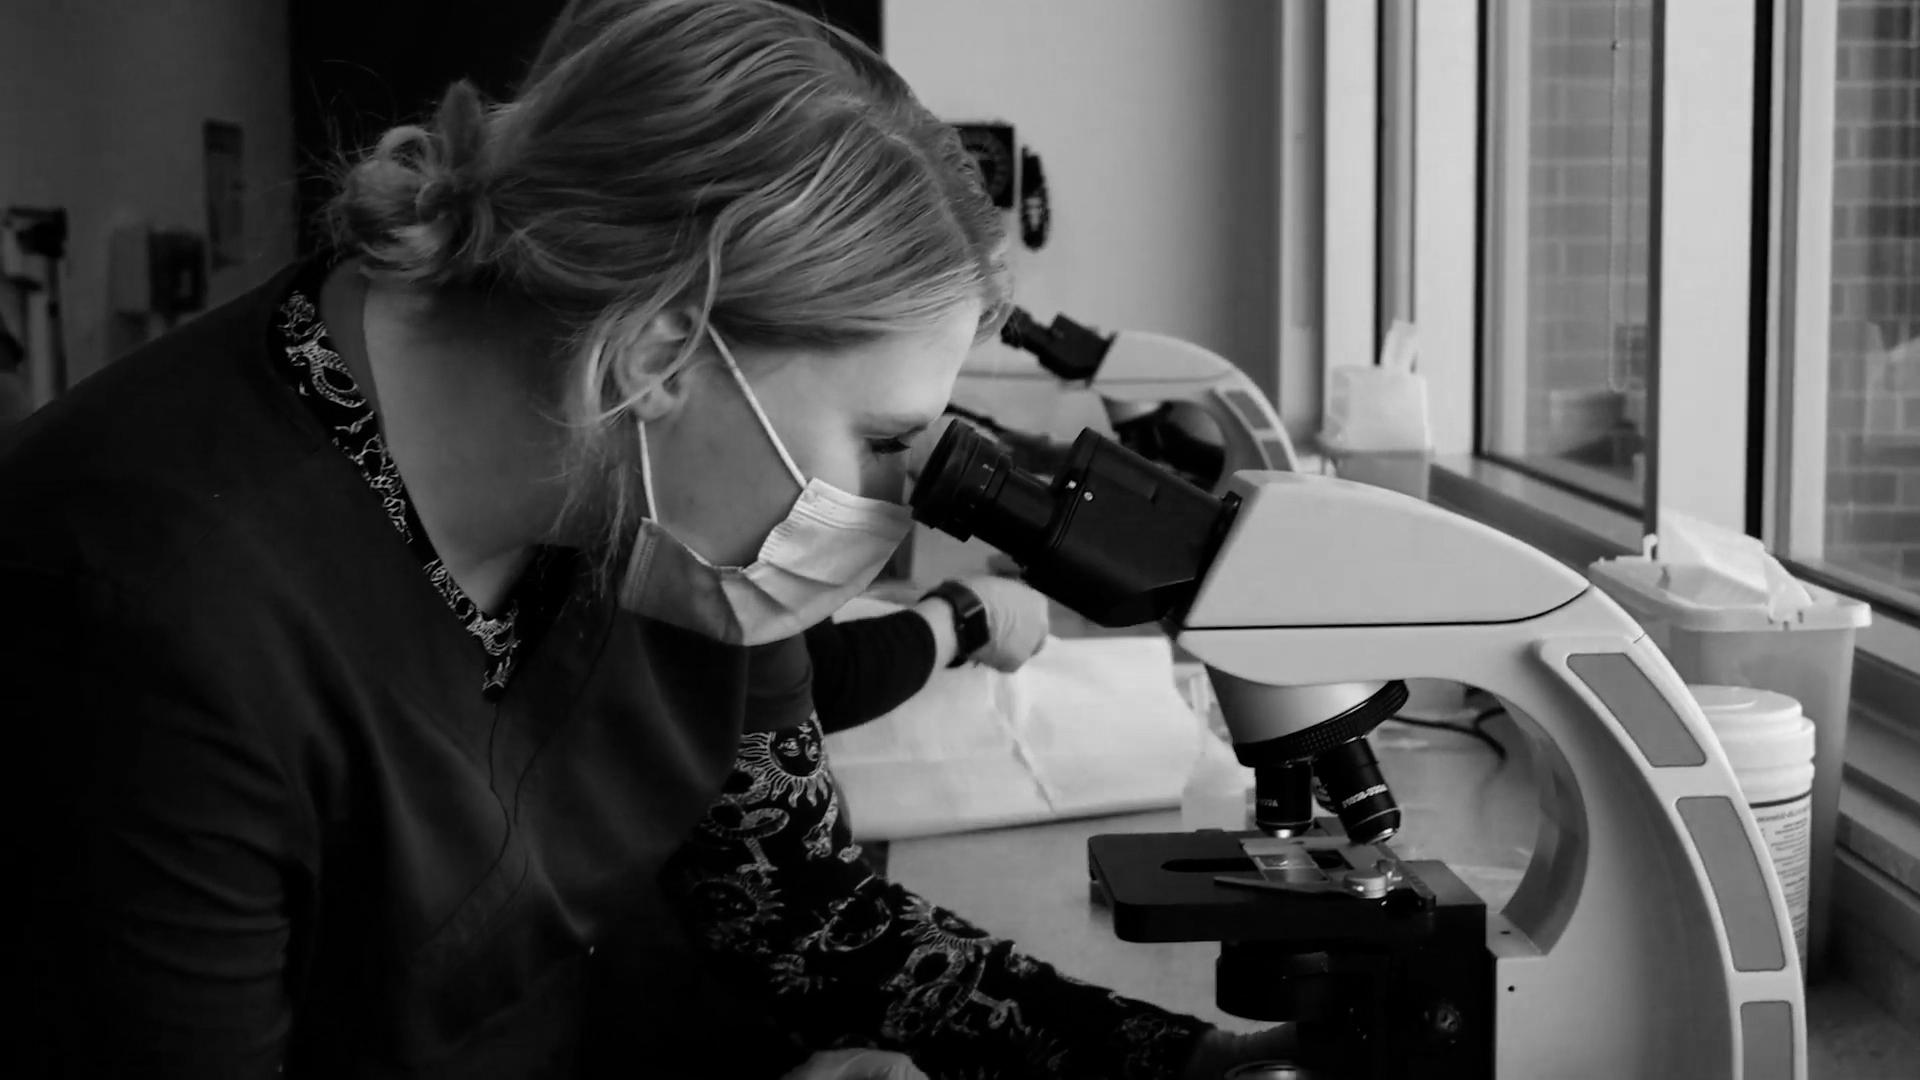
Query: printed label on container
x=1787, y=827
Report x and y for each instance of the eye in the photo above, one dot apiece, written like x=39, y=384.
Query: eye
x=887, y=447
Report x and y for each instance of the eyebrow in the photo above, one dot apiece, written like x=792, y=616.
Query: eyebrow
x=901, y=423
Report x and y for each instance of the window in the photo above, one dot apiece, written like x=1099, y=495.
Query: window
x=1567, y=230
x=1870, y=516
x=1393, y=292
x=1847, y=442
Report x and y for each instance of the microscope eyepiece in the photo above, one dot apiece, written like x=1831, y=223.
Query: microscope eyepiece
x=1066, y=348
x=970, y=486
x=1113, y=536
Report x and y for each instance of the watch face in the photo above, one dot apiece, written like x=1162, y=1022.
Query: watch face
x=973, y=630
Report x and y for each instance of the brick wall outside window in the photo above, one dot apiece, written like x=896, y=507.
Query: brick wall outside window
x=1873, y=417
x=1587, y=202
x=1589, y=99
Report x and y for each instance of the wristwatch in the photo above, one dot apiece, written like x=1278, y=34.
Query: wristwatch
x=969, y=619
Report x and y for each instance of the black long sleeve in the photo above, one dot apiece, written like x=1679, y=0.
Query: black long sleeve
x=771, y=885
x=865, y=668
x=153, y=834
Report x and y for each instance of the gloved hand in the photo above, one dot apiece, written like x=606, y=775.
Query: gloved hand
x=1217, y=1051
x=856, y=1065
x=1018, y=620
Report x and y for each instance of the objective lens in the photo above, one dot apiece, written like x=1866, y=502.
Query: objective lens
x=1283, y=798
x=969, y=486
x=1358, y=792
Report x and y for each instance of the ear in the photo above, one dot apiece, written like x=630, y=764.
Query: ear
x=649, y=363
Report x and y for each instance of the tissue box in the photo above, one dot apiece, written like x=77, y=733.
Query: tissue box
x=1375, y=409
x=1405, y=471
x=1376, y=430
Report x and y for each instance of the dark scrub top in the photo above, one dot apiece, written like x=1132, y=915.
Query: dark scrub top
x=285, y=801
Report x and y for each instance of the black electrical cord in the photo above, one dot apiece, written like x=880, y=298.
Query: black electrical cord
x=1473, y=729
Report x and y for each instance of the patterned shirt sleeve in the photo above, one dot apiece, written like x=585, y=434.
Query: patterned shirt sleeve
x=773, y=886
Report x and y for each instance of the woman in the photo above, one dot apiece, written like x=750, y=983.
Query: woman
x=381, y=643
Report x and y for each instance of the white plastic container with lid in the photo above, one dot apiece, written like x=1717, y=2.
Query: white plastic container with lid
x=1808, y=656
x=1770, y=743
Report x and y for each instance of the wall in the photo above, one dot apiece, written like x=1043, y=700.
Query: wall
x=101, y=106
x=1156, y=125
x=1873, y=422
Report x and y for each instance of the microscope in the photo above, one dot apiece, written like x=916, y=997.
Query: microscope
x=1168, y=400
x=1648, y=937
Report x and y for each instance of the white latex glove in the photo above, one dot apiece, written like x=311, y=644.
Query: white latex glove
x=1018, y=621
x=856, y=1065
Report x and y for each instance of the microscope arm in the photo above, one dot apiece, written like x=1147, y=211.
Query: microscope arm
x=1649, y=935
x=1146, y=369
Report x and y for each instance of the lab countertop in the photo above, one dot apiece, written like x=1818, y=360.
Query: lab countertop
x=1459, y=802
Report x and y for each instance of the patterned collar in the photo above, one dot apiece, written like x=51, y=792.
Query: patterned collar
x=316, y=372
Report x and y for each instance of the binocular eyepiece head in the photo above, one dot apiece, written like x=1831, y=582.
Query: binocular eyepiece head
x=1111, y=535
x=1124, y=541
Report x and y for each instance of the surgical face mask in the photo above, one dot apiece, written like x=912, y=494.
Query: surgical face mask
x=827, y=550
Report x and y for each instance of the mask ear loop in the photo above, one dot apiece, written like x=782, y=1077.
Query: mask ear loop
x=753, y=403
x=646, y=474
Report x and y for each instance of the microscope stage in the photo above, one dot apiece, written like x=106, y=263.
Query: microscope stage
x=1203, y=886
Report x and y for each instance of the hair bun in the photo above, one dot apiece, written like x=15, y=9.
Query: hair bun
x=460, y=127
x=415, y=206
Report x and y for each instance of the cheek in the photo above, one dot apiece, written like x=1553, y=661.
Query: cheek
x=811, y=419
x=848, y=463
x=885, y=477
x=845, y=463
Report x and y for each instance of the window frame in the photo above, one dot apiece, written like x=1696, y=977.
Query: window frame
x=1799, y=320
x=1446, y=224
x=1500, y=298
x=1396, y=75
x=1700, y=222
x=1349, y=188
x=1303, y=227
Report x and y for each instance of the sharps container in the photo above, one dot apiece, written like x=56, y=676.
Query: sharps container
x=1807, y=655
x=1769, y=742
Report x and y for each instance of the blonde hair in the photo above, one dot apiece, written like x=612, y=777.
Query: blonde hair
x=736, y=161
